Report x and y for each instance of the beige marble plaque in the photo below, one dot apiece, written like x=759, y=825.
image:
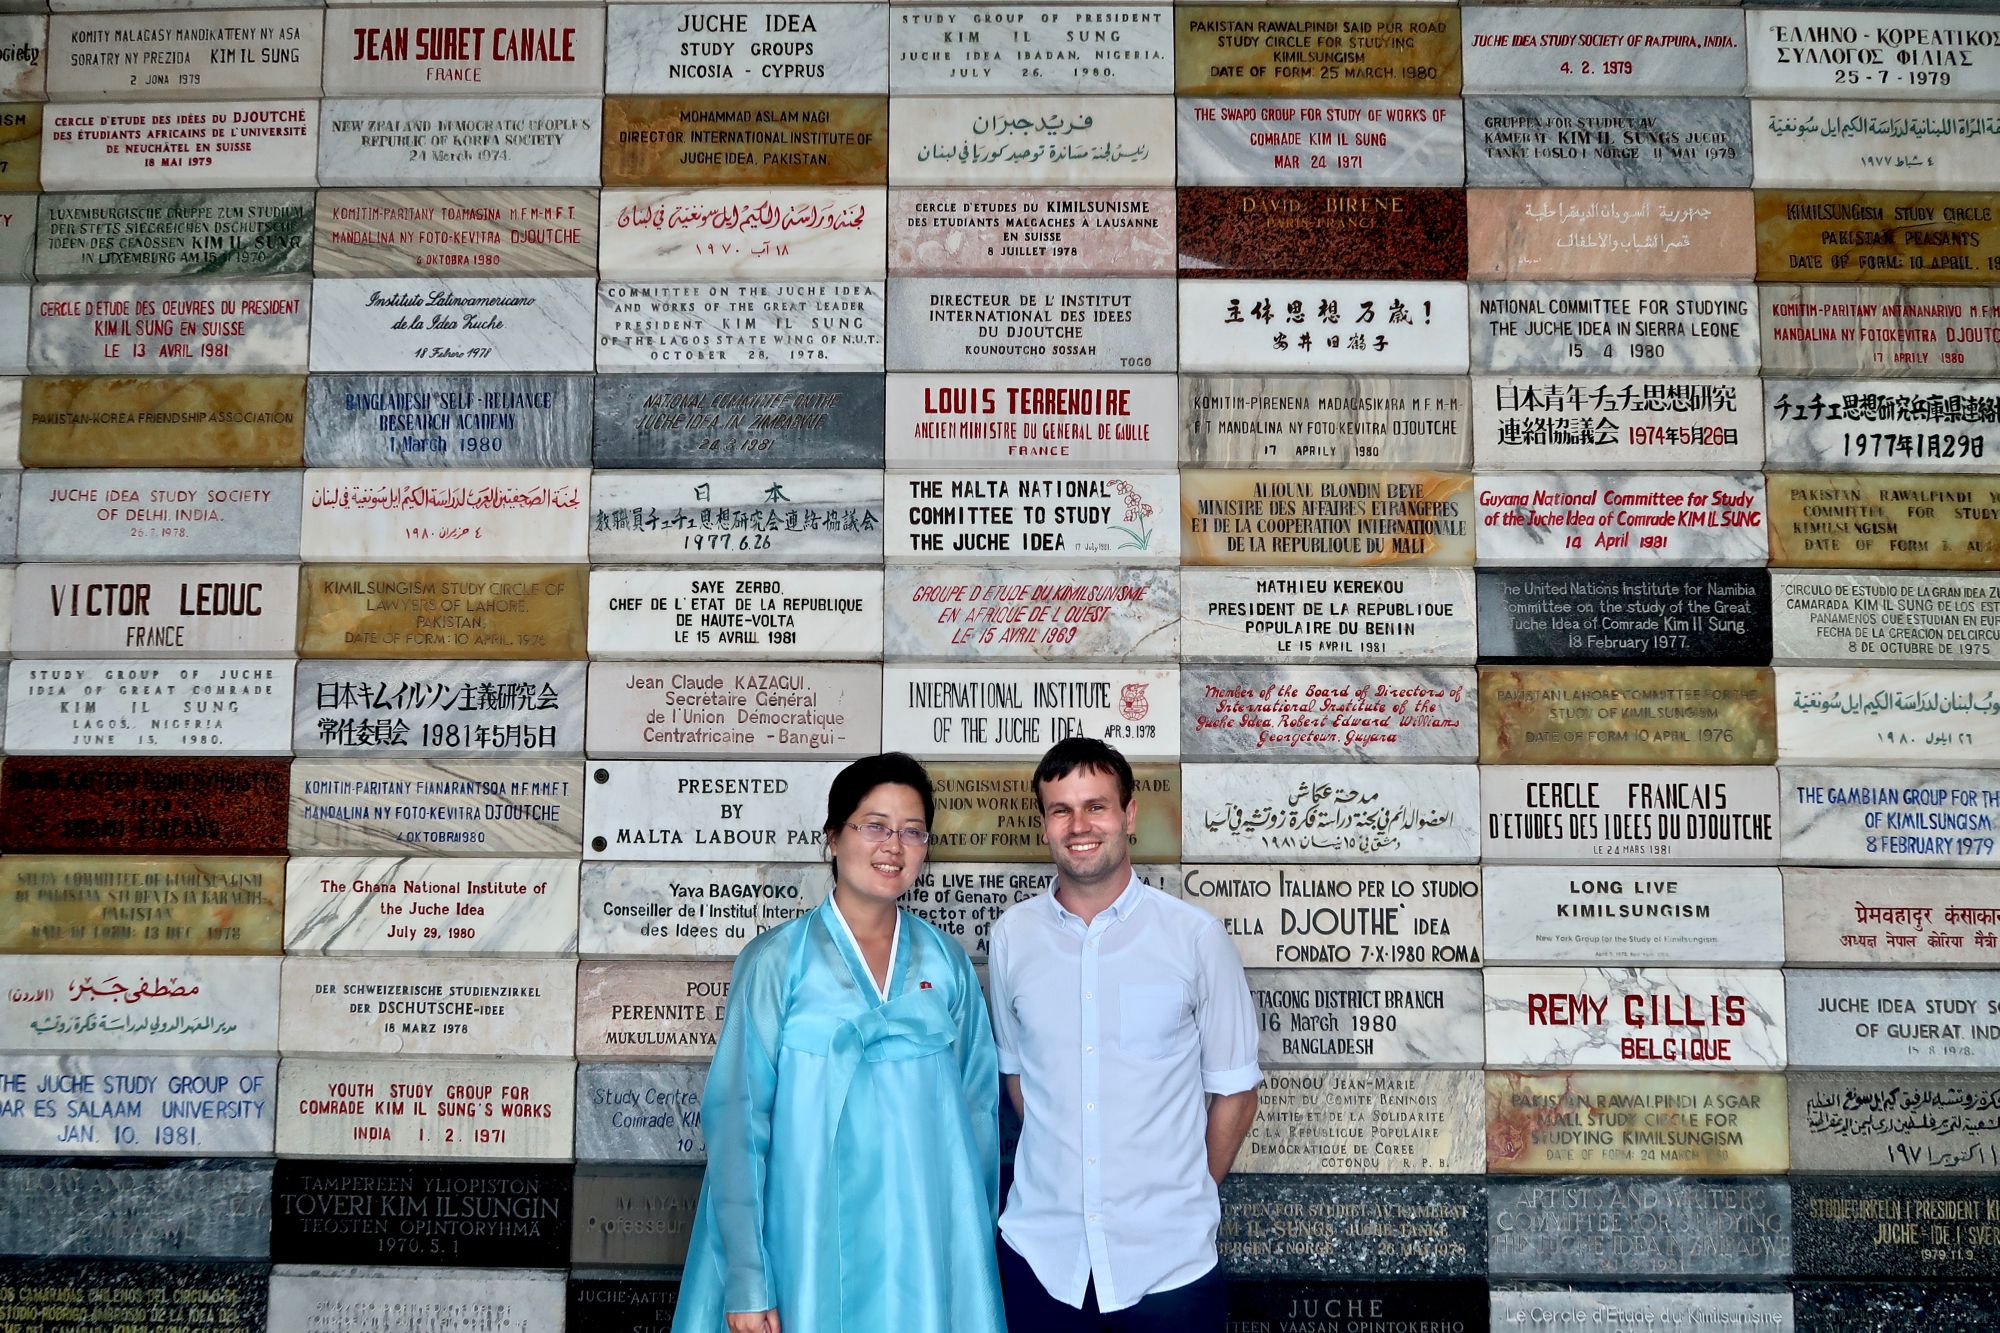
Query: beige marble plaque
x=651, y=1010
x=516, y=612
x=1316, y=50
x=1363, y=1121
x=1627, y=715
x=1340, y=519
x=1615, y=1123
x=1542, y=234
x=987, y=812
x=1883, y=521
x=163, y=421
x=136, y=904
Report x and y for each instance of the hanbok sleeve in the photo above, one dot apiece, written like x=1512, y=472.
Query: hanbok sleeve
x=736, y=1124
x=979, y=1077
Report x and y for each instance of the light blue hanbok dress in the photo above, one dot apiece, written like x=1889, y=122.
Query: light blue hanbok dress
x=853, y=1141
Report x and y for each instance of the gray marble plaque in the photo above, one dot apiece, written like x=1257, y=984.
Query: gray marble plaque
x=225, y=53
x=1874, y=715
x=148, y=515
x=820, y=419
x=1044, y=422
x=1618, y=328
x=1378, y=715
x=751, y=233
x=635, y=1218
x=1315, y=915
x=459, y=421
x=24, y=41
x=523, y=50
x=958, y=712
x=1355, y=1019
x=658, y=710
x=748, y=48
x=218, y=327
x=10, y=515
x=1850, y=329
x=1040, y=49
x=1575, y=140
x=718, y=810
x=1290, y=328
x=1015, y=514
x=458, y=709
x=1722, y=1311
x=1882, y=54
x=181, y=707
x=427, y=1006
x=1883, y=425
x=1021, y=612
x=1629, y=917
x=186, y=1210
x=430, y=906
x=1636, y=1229
x=1895, y=619
x=10, y=422
x=17, y=240
x=1678, y=1018
x=1345, y=421
x=1433, y=1226
x=267, y=145
x=521, y=233
x=197, y=234
x=1256, y=615
x=155, y=1106
x=753, y=614
x=1295, y=141
x=15, y=327
x=1100, y=324
x=1930, y=1124
x=1656, y=52
x=1622, y=518
x=467, y=807
x=1339, y=812
x=502, y=324
x=824, y=516
x=413, y=1300
x=1861, y=918
x=650, y=1011
x=463, y=141
x=1857, y=143
x=1604, y=815
x=155, y=611
x=703, y=910
x=1908, y=817
x=1048, y=139
x=444, y=515
x=739, y=326
x=640, y=1113
x=1848, y=1019
x=149, y=1004
x=1547, y=421
x=431, y=1109
x=1392, y=1121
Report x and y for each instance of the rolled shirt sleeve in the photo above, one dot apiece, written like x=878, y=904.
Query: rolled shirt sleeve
x=1006, y=1027
x=1226, y=1016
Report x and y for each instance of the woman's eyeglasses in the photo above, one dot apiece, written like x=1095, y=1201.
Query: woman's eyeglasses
x=873, y=832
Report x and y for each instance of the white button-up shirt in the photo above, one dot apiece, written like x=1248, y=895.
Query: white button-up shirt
x=1117, y=1029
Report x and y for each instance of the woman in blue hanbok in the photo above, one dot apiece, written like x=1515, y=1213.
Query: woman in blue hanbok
x=851, y=1110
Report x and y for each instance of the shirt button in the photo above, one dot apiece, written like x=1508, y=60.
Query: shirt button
x=1090, y=1106
x=1093, y=1217
x=1089, y=1050
x=1086, y=995
x=1090, y=1161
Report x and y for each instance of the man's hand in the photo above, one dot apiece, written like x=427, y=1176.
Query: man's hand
x=1229, y=1120
x=762, y=1321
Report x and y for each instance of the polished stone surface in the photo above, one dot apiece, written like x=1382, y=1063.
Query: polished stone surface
x=815, y=419
x=1891, y=1020
x=425, y=49
x=1327, y=49
x=640, y=1113
x=1314, y=518
x=1851, y=329
x=531, y=612
x=720, y=48
x=1892, y=54
x=1346, y=1018
x=93, y=1105
x=189, y=235
x=113, y=904
x=163, y=421
x=1681, y=1018
x=652, y=1010
x=437, y=514
x=159, y=1004
x=1824, y=142
x=1283, y=616
x=1390, y=1121
x=687, y=517
x=1874, y=236
x=1618, y=1123
x=543, y=141
x=218, y=326
x=182, y=807
x=1895, y=1226
x=1522, y=49
x=1591, y=815
x=516, y=1110
x=1702, y=328
x=467, y=233
x=1859, y=918
x=1917, y=1124
x=1358, y=1226
x=1041, y=140
x=762, y=139
x=150, y=611
x=1266, y=714
x=1359, y=813
x=1288, y=916
x=104, y=1296
x=1038, y=324
x=1880, y=425
x=960, y=712
x=670, y=811
x=422, y=1215
x=186, y=1210
x=1652, y=615
x=1288, y=232
x=751, y=233
x=1012, y=514
x=427, y=1006
x=382, y=905
x=739, y=327
x=1619, y=916
x=1582, y=234
x=987, y=812
x=1573, y=140
x=1915, y=818
x=1042, y=49
x=221, y=145
x=310, y=1298
x=87, y=514
x=1049, y=423
x=702, y=910
x=1540, y=1308
x=738, y=614
x=1621, y=518
x=1626, y=715
x=1079, y=231
x=516, y=806
x=446, y=420
x=1381, y=141
x=406, y=324
x=1881, y=521
x=639, y=1218
x=1352, y=327
x=188, y=706
x=1346, y=421
x=245, y=53
x=1672, y=1230
x=1883, y=715
x=648, y=710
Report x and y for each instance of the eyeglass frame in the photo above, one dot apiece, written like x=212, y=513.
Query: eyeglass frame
x=909, y=837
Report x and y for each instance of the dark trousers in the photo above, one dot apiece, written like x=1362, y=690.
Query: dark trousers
x=1202, y=1306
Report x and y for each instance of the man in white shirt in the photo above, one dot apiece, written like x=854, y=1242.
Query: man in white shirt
x=1129, y=1042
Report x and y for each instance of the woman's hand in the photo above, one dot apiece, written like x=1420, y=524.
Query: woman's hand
x=763, y=1321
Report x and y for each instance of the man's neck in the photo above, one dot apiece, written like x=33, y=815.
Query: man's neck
x=1087, y=900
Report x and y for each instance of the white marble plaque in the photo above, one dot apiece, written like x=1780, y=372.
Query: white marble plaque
x=1879, y=715
x=438, y=807
x=503, y=324
x=149, y=708
x=1620, y=328
x=1258, y=615
x=1358, y=813
x=24, y=41
x=114, y=514
x=810, y=517
x=1547, y=421
x=1920, y=918
x=1040, y=49
x=717, y=811
x=1353, y=327
x=1348, y=1018
x=640, y=1113
x=1330, y=421
x=1862, y=143
x=439, y=515
x=156, y=611
x=660, y=710
x=10, y=422
x=1293, y=141
x=1896, y=619
x=463, y=141
x=1330, y=916
x=1021, y=612
x=760, y=615
x=218, y=327
x=1016, y=141
x=148, y=1003
x=1854, y=425
x=1877, y=329
x=15, y=326
x=1913, y=818
x=748, y=48
x=268, y=145
x=1622, y=518
x=1268, y=714
x=739, y=326
x=703, y=910
x=1384, y=1122
x=475, y=709
x=1634, y=1018
x=1852, y=1020
x=1043, y=324
x=121, y=1105
x=399, y=1300
x=1016, y=515
x=429, y=49
x=211, y=53
x=954, y=712
x=422, y=905
x=1633, y=916
x=427, y=1006
x=1045, y=422
x=1652, y=52
x=1607, y=815
x=1874, y=53
x=745, y=233
x=428, y=1109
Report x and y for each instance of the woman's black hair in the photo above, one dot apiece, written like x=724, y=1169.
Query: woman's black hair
x=862, y=776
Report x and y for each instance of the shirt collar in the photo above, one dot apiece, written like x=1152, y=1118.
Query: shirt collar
x=1121, y=907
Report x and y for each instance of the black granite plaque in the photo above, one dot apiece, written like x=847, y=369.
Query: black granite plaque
x=1897, y=1226
x=738, y=421
x=409, y=1213
x=1357, y=1307
x=1708, y=617
x=104, y=1296
x=1893, y=1307
x=622, y=1305
x=634, y=1217
x=54, y=1207
x=1356, y=1226
x=1628, y=1228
